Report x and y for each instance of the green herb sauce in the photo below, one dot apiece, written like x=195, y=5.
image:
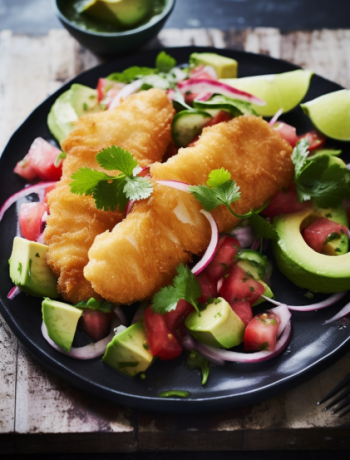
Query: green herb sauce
x=70, y=9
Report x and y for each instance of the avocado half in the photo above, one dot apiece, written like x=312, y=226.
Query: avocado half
x=305, y=267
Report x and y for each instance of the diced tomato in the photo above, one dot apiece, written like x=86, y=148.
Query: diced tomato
x=107, y=90
x=200, y=72
x=190, y=97
x=47, y=191
x=161, y=340
x=96, y=324
x=175, y=318
x=315, y=138
x=317, y=233
x=102, y=86
x=240, y=286
x=261, y=332
x=287, y=132
x=285, y=202
x=43, y=156
x=30, y=219
x=223, y=259
x=346, y=203
x=209, y=287
x=219, y=118
x=170, y=151
x=25, y=168
x=243, y=310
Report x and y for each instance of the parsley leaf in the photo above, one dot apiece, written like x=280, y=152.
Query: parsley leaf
x=131, y=74
x=110, y=192
x=185, y=286
x=164, y=62
x=197, y=361
x=262, y=228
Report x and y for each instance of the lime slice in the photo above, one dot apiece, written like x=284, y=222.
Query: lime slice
x=330, y=114
x=279, y=91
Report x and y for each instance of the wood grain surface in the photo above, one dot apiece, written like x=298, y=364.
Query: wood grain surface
x=41, y=413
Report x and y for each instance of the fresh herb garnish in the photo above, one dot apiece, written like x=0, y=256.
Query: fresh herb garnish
x=164, y=62
x=93, y=304
x=131, y=74
x=112, y=191
x=185, y=286
x=60, y=157
x=262, y=228
x=197, y=361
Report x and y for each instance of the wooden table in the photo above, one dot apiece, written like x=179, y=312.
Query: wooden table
x=39, y=412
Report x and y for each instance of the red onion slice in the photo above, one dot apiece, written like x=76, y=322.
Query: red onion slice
x=244, y=235
x=331, y=300
x=129, y=207
x=284, y=314
x=203, y=96
x=343, y=312
x=121, y=315
x=275, y=117
x=348, y=166
x=125, y=92
x=14, y=291
x=91, y=351
x=37, y=188
x=198, y=86
x=256, y=244
x=213, y=244
x=174, y=184
x=139, y=313
x=189, y=343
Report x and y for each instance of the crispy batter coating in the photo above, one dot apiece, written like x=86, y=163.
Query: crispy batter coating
x=141, y=125
x=141, y=254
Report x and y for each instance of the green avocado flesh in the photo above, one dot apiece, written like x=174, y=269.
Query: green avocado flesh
x=61, y=321
x=225, y=67
x=302, y=265
x=29, y=270
x=128, y=351
x=218, y=325
x=124, y=12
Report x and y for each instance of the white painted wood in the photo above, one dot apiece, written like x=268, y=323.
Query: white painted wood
x=264, y=41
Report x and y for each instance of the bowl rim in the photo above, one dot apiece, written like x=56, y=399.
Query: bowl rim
x=170, y=4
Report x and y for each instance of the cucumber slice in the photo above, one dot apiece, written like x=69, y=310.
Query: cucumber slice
x=252, y=262
x=268, y=293
x=187, y=125
x=234, y=107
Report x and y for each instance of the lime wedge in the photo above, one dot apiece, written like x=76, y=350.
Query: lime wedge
x=330, y=114
x=279, y=91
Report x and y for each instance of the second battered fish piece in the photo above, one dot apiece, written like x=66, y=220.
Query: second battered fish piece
x=141, y=254
x=141, y=124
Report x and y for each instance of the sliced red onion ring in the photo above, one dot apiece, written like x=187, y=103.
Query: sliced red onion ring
x=275, y=117
x=37, y=188
x=348, y=166
x=129, y=207
x=91, y=351
x=14, y=291
x=244, y=235
x=210, y=71
x=125, y=92
x=189, y=343
x=139, y=313
x=40, y=238
x=343, y=312
x=284, y=314
x=174, y=184
x=331, y=300
x=257, y=357
x=121, y=315
x=203, y=96
x=197, y=85
x=213, y=244
x=256, y=244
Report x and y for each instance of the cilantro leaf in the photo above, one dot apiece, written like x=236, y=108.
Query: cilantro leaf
x=185, y=286
x=197, y=361
x=218, y=177
x=299, y=156
x=137, y=188
x=94, y=304
x=113, y=157
x=109, y=195
x=131, y=74
x=164, y=62
x=85, y=180
x=262, y=228
x=205, y=195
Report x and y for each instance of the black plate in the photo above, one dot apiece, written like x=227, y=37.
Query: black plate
x=313, y=346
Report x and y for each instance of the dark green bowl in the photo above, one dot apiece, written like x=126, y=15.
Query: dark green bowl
x=115, y=42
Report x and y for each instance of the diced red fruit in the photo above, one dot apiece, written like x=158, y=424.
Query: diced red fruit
x=315, y=138
x=200, y=72
x=161, y=341
x=190, y=97
x=175, y=319
x=209, y=287
x=107, y=90
x=261, y=332
x=30, y=219
x=170, y=151
x=223, y=259
x=317, y=233
x=243, y=310
x=219, y=118
x=240, y=286
x=47, y=191
x=287, y=132
x=285, y=202
x=25, y=168
x=96, y=324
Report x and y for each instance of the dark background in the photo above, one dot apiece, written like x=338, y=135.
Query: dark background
x=37, y=17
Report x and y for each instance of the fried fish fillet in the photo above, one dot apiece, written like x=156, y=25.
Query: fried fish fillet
x=141, y=125
x=141, y=254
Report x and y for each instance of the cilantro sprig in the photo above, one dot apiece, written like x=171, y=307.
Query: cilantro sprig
x=110, y=192
x=185, y=286
x=197, y=361
x=326, y=183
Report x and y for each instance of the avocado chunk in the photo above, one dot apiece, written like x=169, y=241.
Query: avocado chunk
x=125, y=13
x=218, y=325
x=302, y=265
x=84, y=99
x=61, y=321
x=29, y=270
x=128, y=351
x=224, y=67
